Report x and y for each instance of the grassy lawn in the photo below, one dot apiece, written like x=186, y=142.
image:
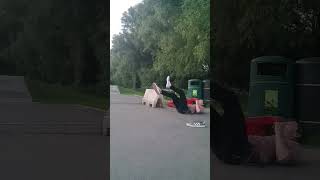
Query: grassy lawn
x=128, y=91
x=57, y=94
x=136, y=92
x=311, y=140
x=311, y=135
x=140, y=92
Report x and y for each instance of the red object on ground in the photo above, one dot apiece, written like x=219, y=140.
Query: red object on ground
x=170, y=104
x=189, y=101
x=259, y=126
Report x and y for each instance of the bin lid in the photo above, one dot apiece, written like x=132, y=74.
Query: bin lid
x=194, y=80
x=272, y=69
x=312, y=60
x=271, y=59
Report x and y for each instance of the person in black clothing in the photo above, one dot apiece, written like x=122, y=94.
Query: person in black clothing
x=179, y=102
x=228, y=138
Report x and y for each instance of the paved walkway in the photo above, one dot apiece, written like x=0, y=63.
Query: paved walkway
x=37, y=118
x=53, y=157
x=155, y=144
x=41, y=141
x=307, y=170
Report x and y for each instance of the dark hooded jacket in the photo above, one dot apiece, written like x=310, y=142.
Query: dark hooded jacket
x=228, y=135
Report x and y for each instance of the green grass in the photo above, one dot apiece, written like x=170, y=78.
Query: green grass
x=128, y=91
x=58, y=94
x=140, y=92
x=313, y=141
x=310, y=135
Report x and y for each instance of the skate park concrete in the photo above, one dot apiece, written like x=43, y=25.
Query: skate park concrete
x=155, y=143
x=42, y=141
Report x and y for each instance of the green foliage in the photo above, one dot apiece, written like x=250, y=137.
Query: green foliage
x=55, y=93
x=148, y=76
x=127, y=91
x=243, y=30
x=162, y=38
x=56, y=41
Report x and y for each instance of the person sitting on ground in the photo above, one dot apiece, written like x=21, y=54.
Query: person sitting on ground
x=181, y=101
x=229, y=140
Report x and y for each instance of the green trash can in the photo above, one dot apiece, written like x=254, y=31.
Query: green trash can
x=194, y=88
x=271, y=89
x=206, y=91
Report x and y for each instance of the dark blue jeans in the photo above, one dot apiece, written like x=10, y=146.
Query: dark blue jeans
x=180, y=102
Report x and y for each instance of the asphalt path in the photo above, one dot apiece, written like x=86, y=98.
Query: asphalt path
x=47, y=141
x=155, y=143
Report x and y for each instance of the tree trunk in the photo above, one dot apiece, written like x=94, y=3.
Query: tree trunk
x=77, y=56
x=134, y=80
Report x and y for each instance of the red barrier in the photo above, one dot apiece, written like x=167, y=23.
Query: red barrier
x=189, y=101
x=261, y=126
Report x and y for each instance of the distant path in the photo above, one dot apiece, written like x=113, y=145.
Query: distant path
x=155, y=143
x=13, y=89
x=114, y=89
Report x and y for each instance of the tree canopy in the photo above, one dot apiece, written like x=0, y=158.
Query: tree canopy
x=244, y=30
x=160, y=38
x=56, y=41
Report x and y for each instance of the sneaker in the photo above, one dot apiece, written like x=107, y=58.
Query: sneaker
x=199, y=124
x=156, y=88
x=168, y=85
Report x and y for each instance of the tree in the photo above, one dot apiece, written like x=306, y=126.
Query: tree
x=57, y=41
x=246, y=30
x=161, y=38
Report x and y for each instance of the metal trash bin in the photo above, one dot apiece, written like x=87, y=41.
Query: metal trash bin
x=206, y=91
x=307, y=90
x=271, y=87
x=195, y=89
